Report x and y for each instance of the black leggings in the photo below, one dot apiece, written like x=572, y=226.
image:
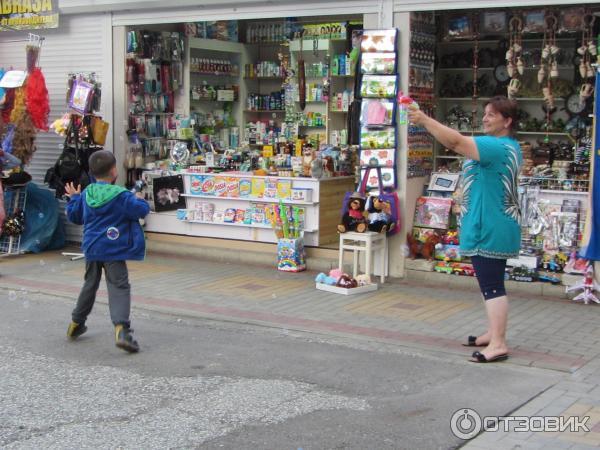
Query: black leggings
x=490, y=275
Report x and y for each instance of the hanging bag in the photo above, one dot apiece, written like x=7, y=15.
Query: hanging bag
x=387, y=197
x=99, y=130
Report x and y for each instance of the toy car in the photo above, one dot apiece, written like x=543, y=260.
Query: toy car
x=450, y=238
x=524, y=274
x=443, y=267
x=549, y=279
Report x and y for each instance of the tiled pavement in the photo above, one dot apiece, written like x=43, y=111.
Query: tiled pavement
x=545, y=332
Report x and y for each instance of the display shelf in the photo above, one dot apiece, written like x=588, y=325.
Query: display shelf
x=312, y=126
x=313, y=101
x=247, y=225
x=252, y=199
x=213, y=100
x=216, y=74
x=458, y=69
x=264, y=78
x=154, y=114
x=483, y=99
x=562, y=192
x=334, y=111
x=342, y=76
x=496, y=41
x=264, y=110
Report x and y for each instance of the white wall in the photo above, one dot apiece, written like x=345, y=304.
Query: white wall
x=79, y=44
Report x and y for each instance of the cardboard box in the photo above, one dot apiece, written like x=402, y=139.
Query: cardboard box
x=531, y=262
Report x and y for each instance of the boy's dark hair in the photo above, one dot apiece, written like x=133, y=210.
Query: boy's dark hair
x=101, y=163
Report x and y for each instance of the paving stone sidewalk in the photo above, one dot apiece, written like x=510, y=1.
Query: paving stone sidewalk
x=546, y=332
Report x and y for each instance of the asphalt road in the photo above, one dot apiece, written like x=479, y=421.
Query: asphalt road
x=208, y=384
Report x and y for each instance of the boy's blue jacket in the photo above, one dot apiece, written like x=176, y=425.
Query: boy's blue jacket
x=110, y=217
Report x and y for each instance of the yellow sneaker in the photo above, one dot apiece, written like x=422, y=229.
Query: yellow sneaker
x=124, y=340
x=75, y=330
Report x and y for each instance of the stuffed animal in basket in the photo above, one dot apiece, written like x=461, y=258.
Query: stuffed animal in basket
x=354, y=218
x=425, y=249
x=380, y=215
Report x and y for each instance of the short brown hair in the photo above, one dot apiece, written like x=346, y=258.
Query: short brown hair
x=507, y=108
x=101, y=163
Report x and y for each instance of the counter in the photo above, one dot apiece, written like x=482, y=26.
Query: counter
x=241, y=192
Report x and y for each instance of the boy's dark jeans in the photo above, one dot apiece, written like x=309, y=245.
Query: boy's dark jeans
x=119, y=291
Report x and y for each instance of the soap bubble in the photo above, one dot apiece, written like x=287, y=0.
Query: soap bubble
x=12, y=296
x=273, y=295
x=42, y=262
x=26, y=304
x=41, y=215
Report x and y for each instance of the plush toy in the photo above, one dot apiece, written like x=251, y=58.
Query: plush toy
x=347, y=282
x=308, y=155
x=426, y=249
x=336, y=273
x=363, y=280
x=324, y=279
x=380, y=216
x=354, y=218
x=331, y=279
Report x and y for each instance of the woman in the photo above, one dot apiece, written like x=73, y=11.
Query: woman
x=490, y=231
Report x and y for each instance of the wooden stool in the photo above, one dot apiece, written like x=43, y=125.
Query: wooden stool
x=367, y=242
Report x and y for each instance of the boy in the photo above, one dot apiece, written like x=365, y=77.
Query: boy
x=112, y=234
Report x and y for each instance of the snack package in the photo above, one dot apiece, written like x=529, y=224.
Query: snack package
x=208, y=186
x=229, y=216
x=258, y=215
x=245, y=187
x=196, y=182
x=233, y=187
x=258, y=187
x=220, y=186
x=248, y=216
x=270, y=188
x=284, y=189
x=219, y=217
x=239, y=215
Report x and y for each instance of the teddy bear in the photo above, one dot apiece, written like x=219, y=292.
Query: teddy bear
x=354, y=217
x=380, y=216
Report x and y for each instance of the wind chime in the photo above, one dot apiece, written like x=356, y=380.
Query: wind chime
x=549, y=69
x=589, y=55
x=514, y=57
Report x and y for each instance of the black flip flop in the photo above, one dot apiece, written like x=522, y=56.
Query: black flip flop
x=480, y=357
x=471, y=342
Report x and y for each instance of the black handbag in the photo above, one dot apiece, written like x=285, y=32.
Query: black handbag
x=72, y=164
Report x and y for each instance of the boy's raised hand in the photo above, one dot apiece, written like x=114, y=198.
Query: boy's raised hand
x=71, y=190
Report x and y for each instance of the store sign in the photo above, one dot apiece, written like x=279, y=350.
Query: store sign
x=28, y=14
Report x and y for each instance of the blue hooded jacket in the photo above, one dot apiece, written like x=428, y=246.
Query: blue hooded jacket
x=110, y=217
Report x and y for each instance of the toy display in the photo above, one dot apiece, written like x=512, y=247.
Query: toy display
x=354, y=217
x=587, y=287
x=432, y=212
x=340, y=279
x=447, y=252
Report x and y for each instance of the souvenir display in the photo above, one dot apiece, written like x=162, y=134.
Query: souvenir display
x=493, y=23
x=374, y=41
x=459, y=26
x=421, y=90
x=377, y=113
x=432, y=212
x=378, y=63
x=379, y=86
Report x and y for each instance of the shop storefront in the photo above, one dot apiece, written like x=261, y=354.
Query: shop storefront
x=219, y=92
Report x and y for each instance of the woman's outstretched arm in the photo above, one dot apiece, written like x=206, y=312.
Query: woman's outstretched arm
x=449, y=138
